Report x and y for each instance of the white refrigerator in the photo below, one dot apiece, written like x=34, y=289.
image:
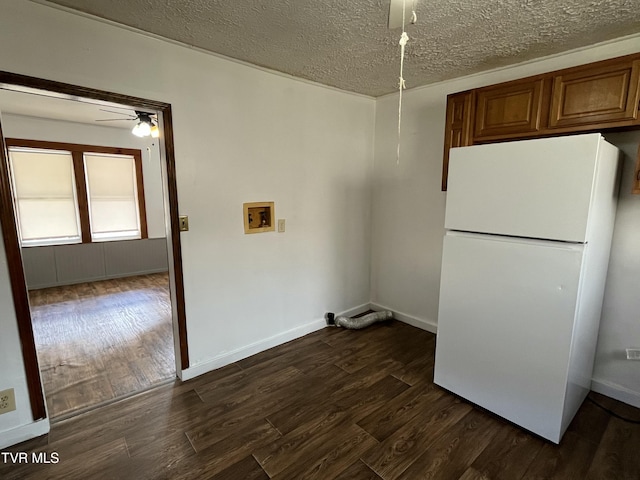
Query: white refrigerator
x=525, y=256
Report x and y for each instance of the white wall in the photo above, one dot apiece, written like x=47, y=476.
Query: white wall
x=241, y=135
x=23, y=127
x=408, y=216
x=614, y=375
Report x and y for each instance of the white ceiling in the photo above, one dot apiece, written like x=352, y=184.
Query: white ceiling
x=43, y=105
x=346, y=43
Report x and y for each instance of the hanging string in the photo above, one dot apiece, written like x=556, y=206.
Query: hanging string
x=401, y=86
x=404, y=38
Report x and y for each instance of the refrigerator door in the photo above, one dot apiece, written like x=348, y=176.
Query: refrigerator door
x=534, y=188
x=505, y=323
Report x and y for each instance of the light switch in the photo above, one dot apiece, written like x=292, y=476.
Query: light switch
x=281, y=222
x=184, y=223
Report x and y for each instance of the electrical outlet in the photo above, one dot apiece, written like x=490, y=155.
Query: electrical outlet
x=633, y=353
x=7, y=401
x=281, y=224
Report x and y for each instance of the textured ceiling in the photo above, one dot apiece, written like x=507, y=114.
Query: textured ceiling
x=346, y=43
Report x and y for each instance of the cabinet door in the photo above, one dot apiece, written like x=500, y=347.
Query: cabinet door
x=595, y=95
x=636, y=182
x=508, y=109
x=458, y=127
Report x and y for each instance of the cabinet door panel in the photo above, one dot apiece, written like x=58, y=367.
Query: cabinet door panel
x=508, y=109
x=458, y=127
x=636, y=182
x=605, y=94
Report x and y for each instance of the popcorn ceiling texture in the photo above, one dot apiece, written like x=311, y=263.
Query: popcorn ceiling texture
x=346, y=43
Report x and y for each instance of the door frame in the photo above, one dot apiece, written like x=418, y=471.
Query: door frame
x=27, y=84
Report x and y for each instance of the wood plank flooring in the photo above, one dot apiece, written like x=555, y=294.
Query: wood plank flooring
x=335, y=404
x=102, y=340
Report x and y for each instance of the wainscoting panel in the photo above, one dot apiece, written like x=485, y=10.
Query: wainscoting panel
x=135, y=257
x=68, y=264
x=39, y=265
x=79, y=263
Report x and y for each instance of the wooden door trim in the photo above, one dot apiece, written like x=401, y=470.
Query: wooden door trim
x=19, y=288
x=27, y=84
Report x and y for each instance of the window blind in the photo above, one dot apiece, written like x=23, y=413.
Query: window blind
x=112, y=196
x=44, y=187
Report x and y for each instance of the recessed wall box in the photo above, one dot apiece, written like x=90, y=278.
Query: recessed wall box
x=259, y=217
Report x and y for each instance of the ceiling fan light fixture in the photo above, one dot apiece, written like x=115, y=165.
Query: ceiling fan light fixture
x=145, y=126
x=142, y=129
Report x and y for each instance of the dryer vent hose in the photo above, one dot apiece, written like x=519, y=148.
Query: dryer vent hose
x=364, y=321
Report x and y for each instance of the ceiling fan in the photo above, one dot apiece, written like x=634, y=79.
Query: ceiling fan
x=395, y=12
x=147, y=122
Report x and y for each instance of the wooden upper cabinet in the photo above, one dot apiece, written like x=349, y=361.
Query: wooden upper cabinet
x=598, y=96
x=595, y=95
x=457, y=127
x=508, y=109
x=636, y=180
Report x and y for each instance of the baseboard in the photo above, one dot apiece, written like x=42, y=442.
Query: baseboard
x=24, y=432
x=428, y=325
x=274, y=341
x=252, y=349
x=135, y=274
x=355, y=310
x=260, y=346
x=617, y=392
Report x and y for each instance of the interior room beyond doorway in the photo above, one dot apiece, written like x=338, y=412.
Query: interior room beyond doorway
x=100, y=341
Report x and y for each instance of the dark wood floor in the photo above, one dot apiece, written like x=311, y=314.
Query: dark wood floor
x=336, y=404
x=102, y=340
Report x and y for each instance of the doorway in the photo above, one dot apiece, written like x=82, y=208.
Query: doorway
x=19, y=83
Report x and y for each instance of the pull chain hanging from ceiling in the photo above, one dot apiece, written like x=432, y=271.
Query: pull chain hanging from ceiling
x=404, y=38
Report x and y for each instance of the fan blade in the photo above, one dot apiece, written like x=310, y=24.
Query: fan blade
x=133, y=117
x=115, y=120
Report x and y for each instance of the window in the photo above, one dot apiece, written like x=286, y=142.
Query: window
x=68, y=193
x=112, y=195
x=45, y=196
